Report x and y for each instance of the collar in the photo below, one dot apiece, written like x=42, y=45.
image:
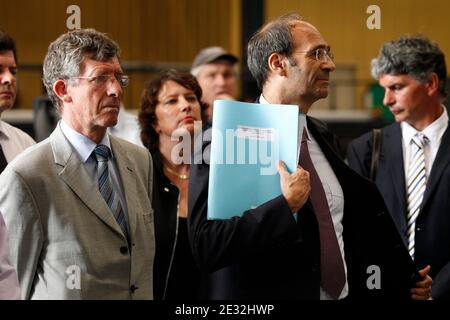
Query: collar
x=82, y=144
x=263, y=100
x=3, y=132
x=308, y=134
x=433, y=132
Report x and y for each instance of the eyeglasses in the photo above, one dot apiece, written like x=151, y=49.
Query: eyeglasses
x=320, y=54
x=102, y=80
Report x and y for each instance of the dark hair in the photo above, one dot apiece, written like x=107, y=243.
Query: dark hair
x=7, y=44
x=416, y=56
x=275, y=37
x=149, y=101
x=65, y=55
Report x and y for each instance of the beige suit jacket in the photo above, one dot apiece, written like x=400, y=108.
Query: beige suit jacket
x=64, y=240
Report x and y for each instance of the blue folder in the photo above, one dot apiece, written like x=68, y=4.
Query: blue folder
x=247, y=140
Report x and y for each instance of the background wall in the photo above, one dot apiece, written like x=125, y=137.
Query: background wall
x=148, y=31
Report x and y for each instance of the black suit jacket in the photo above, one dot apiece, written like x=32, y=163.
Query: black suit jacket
x=270, y=255
x=432, y=243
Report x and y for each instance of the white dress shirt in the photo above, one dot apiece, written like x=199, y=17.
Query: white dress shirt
x=433, y=132
x=334, y=194
x=84, y=147
x=13, y=140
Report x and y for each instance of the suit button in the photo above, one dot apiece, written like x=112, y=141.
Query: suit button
x=123, y=250
x=133, y=288
x=418, y=229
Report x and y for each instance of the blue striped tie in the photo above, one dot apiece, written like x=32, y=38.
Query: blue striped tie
x=105, y=185
x=417, y=181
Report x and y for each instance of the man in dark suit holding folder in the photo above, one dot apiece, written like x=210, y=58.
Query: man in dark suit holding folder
x=343, y=243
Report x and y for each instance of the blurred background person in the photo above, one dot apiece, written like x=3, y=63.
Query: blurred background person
x=170, y=105
x=12, y=140
x=215, y=70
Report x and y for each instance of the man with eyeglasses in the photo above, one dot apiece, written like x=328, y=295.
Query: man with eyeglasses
x=319, y=243
x=77, y=205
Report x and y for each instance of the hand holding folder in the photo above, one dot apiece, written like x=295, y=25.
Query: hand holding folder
x=247, y=141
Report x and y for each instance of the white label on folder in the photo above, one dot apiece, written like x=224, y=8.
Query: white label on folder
x=254, y=133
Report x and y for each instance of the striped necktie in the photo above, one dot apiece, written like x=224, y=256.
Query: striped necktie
x=105, y=185
x=417, y=181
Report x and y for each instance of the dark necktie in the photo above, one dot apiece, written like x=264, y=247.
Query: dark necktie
x=3, y=162
x=331, y=264
x=105, y=185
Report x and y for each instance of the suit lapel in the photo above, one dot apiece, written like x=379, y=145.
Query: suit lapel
x=328, y=150
x=392, y=151
x=74, y=174
x=440, y=163
x=128, y=178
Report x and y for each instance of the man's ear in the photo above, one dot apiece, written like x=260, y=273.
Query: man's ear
x=277, y=63
x=433, y=84
x=60, y=89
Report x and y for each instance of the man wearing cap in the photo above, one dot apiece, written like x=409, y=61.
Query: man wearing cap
x=214, y=69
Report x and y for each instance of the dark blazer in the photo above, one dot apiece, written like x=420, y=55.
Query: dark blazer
x=432, y=243
x=273, y=256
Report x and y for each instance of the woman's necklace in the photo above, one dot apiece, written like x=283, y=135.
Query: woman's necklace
x=180, y=176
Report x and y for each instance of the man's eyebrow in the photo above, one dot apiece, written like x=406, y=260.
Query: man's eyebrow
x=102, y=70
x=8, y=66
x=321, y=46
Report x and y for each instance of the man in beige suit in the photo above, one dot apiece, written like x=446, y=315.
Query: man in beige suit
x=77, y=205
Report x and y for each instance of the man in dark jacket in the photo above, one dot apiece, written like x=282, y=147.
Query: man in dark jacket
x=342, y=233
x=414, y=182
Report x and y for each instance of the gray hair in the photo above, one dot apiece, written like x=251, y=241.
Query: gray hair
x=66, y=54
x=274, y=37
x=416, y=56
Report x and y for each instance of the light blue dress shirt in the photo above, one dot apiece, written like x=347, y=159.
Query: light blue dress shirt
x=84, y=147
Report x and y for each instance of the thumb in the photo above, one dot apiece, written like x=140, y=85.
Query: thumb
x=424, y=271
x=282, y=170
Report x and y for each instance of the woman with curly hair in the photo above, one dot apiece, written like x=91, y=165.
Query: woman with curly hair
x=170, y=107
